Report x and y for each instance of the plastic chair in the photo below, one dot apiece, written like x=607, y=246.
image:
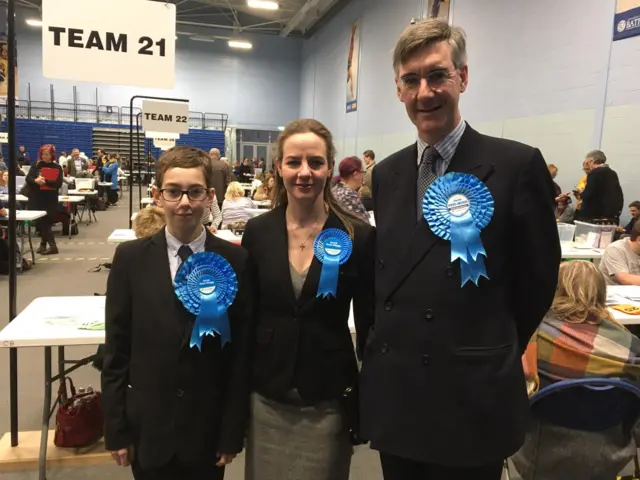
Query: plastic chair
x=588, y=405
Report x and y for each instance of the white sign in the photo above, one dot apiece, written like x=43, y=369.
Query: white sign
x=164, y=143
x=4, y=137
x=117, y=41
x=149, y=134
x=165, y=117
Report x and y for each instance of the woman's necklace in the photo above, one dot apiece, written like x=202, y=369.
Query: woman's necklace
x=313, y=233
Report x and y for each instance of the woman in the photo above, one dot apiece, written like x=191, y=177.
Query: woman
x=304, y=359
x=44, y=180
x=265, y=191
x=346, y=189
x=4, y=182
x=578, y=338
x=110, y=171
x=564, y=211
x=234, y=207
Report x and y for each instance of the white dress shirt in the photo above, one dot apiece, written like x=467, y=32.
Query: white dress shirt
x=173, y=245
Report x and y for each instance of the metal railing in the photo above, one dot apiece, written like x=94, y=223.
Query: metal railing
x=106, y=114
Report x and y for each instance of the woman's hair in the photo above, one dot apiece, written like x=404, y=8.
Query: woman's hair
x=309, y=125
x=47, y=148
x=149, y=221
x=581, y=294
x=553, y=170
x=234, y=190
x=348, y=166
x=2, y=178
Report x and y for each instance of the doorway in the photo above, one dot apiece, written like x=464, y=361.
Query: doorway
x=256, y=150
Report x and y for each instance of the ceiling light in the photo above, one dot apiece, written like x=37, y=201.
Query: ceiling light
x=34, y=22
x=264, y=4
x=281, y=129
x=203, y=39
x=240, y=44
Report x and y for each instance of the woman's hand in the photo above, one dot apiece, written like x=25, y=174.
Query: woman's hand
x=225, y=459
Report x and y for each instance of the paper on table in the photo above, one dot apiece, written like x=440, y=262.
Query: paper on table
x=629, y=292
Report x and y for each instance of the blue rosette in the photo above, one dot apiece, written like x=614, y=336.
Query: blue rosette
x=457, y=206
x=207, y=285
x=332, y=248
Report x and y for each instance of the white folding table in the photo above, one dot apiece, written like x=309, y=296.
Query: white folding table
x=575, y=253
x=87, y=206
x=120, y=235
x=27, y=216
x=56, y=322
x=624, y=295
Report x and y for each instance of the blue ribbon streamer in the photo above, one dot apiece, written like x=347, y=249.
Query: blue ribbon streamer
x=328, y=284
x=211, y=319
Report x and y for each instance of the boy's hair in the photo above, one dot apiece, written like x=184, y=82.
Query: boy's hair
x=184, y=157
x=149, y=221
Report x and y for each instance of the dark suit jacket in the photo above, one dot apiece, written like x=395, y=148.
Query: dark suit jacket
x=602, y=197
x=159, y=394
x=306, y=343
x=442, y=379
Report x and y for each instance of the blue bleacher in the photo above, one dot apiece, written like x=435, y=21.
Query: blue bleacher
x=69, y=135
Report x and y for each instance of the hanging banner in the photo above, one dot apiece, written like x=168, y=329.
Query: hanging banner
x=627, y=19
x=352, y=67
x=4, y=67
x=4, y=137
x=165, y=117
x=438, y=9
x=122, y=42
x=150, y=134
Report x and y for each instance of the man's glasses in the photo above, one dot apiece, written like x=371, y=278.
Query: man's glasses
x=195, y=194
x=436, y=79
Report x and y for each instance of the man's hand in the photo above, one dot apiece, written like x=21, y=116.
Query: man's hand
x=213, y=229
x=124, y=456
x=619, y=229
x=225, y=459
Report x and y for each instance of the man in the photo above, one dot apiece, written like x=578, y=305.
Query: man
x=23, y=156
x=76, y=163
x=370, y=162
x=634, y=211
x=221, y=175
x=620, y=263
x=442, y=388
x=172, y=411
x=602, y=198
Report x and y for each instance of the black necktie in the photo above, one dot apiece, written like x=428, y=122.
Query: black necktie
x=184, y=252
x=426, y=174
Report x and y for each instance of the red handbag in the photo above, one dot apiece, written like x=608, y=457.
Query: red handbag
x=79, y=419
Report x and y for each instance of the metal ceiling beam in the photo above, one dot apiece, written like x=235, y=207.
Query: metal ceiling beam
x=297, y=18
x=225, y=27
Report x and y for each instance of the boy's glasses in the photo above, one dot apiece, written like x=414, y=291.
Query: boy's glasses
x=196, y=194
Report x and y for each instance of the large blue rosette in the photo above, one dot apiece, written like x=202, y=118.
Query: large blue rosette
x=332, y=248
x=457, y=206
x=206, y=284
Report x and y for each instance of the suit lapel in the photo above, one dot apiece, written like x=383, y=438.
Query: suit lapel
x=468, y=158
x=161, y=275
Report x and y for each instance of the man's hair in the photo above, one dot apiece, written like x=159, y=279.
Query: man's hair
x=370, y=154
x=149, y=221
x=426, y=33
x=635, y=203
x=597, y=156
x=214, y=150
x=635, y=232
x=184, y=157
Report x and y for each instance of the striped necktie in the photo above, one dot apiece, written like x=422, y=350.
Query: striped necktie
x=426, y=174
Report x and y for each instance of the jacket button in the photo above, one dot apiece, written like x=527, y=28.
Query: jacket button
x=384, y=349
x=428, y=314
x=381, y=264
x=388, y=306
x=450, y=272
x=426, y=359
x=179, y=393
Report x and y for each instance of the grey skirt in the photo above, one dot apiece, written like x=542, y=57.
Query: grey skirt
x=291, y=441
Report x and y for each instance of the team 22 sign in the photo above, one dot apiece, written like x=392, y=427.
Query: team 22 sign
x=121, y=42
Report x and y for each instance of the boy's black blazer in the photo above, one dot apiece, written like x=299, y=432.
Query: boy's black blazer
x=159, y=394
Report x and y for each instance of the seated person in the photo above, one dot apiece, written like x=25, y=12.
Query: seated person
x=266, y=189
x=234, y=207
x=149, y=221
x=620, y=263
x=564, y=210
x=4, y=182
x=577, y=338
x=634, y=211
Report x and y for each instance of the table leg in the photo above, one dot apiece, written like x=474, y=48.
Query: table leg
x=46, y=407
x=33, y=254
x=61, y=367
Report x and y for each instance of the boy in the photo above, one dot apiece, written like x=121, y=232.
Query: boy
x=171, y=411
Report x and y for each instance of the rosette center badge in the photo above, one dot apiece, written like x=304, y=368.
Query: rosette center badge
x=457, y=207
